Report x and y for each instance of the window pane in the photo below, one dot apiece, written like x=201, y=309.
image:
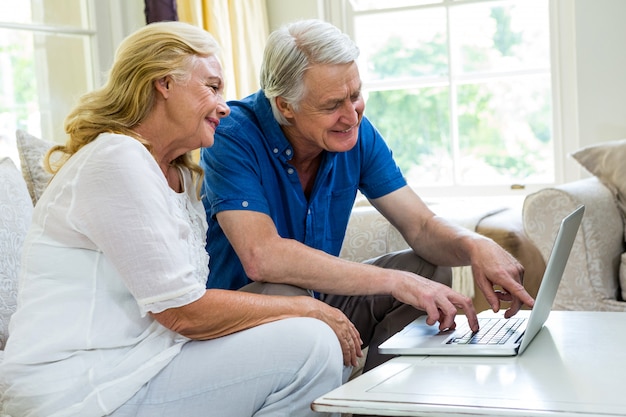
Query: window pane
x=49, y=12
x=45, y=64
x=472, y=109
x=402, y=44
x=500, y=37
x=505, y=133
x=41, y=77
x=415, y=124
x=388, y=4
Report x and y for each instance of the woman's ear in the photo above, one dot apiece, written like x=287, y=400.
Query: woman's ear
x=162, y=85
x=284, y=108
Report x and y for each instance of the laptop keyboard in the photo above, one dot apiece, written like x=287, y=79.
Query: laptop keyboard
x=495, y=331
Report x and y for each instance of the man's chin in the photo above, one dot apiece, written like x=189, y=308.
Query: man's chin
x=347, y=145
x=341, y=142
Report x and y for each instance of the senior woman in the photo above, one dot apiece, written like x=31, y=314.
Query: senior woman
x=113, y=316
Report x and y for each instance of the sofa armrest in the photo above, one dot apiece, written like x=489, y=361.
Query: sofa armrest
x=590, y=280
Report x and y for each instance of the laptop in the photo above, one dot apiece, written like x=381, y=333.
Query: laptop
x=418, y=338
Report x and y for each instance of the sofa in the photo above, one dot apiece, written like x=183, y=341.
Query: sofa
x=595, y=275
x=21, y=184
x=369, y=234
x=16, y=209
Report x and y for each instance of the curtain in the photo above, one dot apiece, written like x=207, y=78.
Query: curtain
x=241, y=28
x=160, y=10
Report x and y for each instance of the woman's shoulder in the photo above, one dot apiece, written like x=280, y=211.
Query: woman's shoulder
x=115, y=142
x=115, y=148
x=119, y=156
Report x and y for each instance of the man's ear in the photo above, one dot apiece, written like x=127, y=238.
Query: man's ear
x=162, y=85
x=284, y=108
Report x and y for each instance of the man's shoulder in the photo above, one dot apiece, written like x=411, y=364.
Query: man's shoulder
x=241, y=113
x=248, y=109
x=250, y=123
x=367, y=130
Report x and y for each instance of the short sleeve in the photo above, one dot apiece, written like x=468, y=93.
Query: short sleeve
x=235, y=169
x=380, y=175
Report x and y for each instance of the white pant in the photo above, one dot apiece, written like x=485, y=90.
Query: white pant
x=276, y=369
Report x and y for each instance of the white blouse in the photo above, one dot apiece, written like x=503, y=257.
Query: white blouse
x=110, y=241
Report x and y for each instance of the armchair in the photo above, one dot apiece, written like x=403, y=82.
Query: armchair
x=591, y=277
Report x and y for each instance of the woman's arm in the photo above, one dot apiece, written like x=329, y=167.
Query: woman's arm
x=221, y=312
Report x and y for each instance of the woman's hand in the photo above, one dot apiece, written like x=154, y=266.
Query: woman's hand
x=348, y=336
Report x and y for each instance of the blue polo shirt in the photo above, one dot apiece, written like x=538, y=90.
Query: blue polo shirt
x=248, y=169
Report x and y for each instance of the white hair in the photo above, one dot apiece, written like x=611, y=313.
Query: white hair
x=294, y=48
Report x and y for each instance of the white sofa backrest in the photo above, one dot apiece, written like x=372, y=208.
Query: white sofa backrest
x=15, y=216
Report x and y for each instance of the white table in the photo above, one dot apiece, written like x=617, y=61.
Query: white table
x=570, y=369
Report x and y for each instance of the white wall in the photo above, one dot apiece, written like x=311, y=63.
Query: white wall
x=284, y=11
x=590, y=82
x=601, y=65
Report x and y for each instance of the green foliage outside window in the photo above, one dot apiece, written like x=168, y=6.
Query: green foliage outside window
x=503, y=126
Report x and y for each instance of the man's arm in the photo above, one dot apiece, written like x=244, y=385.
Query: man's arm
x=267, y=257
x=444, y=243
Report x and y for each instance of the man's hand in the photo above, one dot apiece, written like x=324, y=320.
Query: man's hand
x=500, y=277
x=439, y=301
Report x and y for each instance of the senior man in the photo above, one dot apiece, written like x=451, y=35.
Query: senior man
x=280, y=183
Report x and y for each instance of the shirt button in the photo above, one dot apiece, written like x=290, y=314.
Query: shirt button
x=275, y=150
x=288, y=152
x=244, y=204
x=290, y=170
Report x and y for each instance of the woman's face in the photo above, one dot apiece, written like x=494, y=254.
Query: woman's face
x=196, y=106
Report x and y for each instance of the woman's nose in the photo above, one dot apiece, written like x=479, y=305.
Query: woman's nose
x=222, y=108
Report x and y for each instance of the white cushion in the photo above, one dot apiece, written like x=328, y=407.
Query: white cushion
x=31, y=150
x=15, y=216
x=606, y=161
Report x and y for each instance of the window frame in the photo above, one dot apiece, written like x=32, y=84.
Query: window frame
x=564, y=96
x=107, y=23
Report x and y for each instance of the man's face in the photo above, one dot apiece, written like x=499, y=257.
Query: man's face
x=330, y=111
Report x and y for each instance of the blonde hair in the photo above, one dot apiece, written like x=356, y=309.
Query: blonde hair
x=149, y=54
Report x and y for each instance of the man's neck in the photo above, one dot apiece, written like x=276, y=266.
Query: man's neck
x=307, y=171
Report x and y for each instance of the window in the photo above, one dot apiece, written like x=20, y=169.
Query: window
x=46, y=60
x=461, y=90
x=51, y=54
